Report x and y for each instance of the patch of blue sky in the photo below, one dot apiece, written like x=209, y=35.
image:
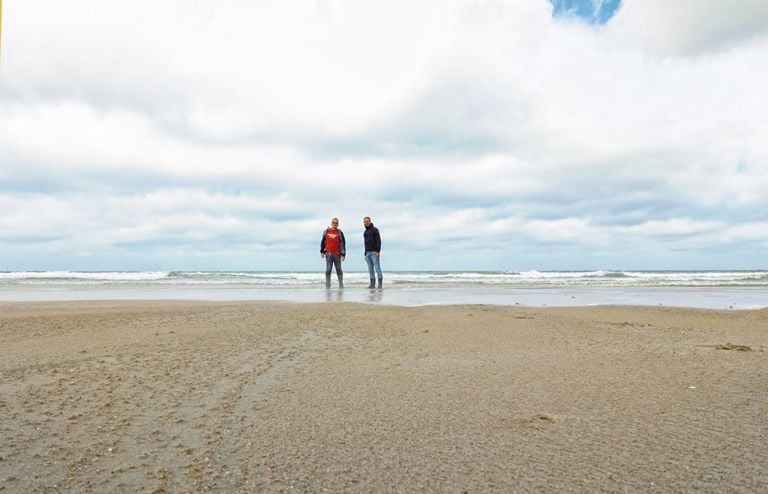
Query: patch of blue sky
x=591, y=11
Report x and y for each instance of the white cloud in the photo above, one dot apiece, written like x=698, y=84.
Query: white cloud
x=673, y=227
x=688, y=27
x=181, y=128
x=756, y=231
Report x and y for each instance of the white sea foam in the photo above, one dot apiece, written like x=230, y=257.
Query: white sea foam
x=445, y=279
x=97, y=276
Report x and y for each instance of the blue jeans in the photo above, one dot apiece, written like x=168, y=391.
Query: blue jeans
x=373, y=263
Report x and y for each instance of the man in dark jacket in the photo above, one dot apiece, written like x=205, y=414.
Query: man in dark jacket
x=333, y=247
x=372, y=240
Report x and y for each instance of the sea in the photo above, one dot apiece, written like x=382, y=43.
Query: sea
x=700, y=289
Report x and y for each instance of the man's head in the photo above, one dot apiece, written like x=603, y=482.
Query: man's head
x=367, y=221
x=335, y=223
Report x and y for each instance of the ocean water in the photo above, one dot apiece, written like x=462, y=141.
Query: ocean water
x=704, y=289
x=405, y=279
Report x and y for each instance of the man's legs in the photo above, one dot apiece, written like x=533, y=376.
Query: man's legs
x=331, y=261
x=369, y=262
x=376, y=265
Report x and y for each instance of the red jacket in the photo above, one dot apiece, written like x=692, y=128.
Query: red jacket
x=333, y=242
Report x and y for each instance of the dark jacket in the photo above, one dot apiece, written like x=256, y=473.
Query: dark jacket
x=342, y=243
x=372, y=239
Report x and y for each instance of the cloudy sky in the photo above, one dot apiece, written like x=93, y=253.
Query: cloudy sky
x=478, y=134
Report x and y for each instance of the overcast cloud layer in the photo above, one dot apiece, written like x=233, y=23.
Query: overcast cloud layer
x=478, y=134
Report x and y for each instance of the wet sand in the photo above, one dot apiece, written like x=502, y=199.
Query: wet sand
x=255, y=396
x=721, y=298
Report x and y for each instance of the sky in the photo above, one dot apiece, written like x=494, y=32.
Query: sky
x=477, y=134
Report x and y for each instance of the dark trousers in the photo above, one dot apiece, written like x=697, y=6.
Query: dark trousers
x=332, y=260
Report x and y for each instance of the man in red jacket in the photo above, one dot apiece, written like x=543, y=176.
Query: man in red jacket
x=333, y=247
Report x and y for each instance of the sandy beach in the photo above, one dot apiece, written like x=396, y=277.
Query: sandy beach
x=188, y=396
